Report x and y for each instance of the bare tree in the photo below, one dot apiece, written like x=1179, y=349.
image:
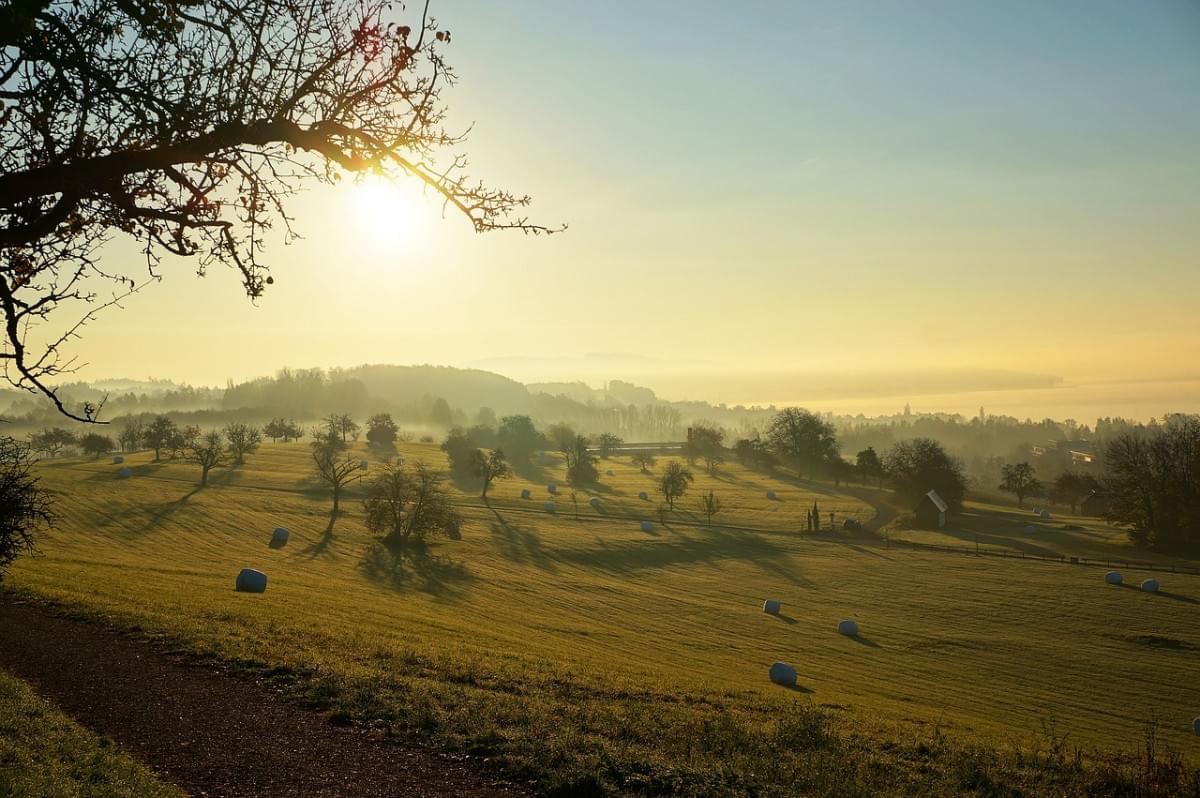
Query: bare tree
x=406, y=506
x=335, y=469
x=709, y=505
x=208, y=452
x=243, y=439
x=188, y=127
x=644, y=461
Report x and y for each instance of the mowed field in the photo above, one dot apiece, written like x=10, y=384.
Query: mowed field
x=562, y=629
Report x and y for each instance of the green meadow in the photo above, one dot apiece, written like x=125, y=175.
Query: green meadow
x=577, y=649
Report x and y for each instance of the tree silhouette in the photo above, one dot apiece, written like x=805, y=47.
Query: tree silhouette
x=188, y=127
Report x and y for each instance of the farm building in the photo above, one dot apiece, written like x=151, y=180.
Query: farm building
x=931, y=511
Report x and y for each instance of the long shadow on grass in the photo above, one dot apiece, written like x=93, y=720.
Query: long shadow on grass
x=1178, y=597
x=321, y=547
x=412, y=567
x=708, y=546
x=864, y=641
x=519, y=543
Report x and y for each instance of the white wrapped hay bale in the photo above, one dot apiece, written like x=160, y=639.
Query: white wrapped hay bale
x=1196, y=726
x=847, y=627
x=1045, y=514
x=552, y=488
x=1030, y=529
x=772, y=606
x=364, y=464
x=525, y=494
x=782, y=673
x=251, y=581
x=279, y=537
x=118, y=459
x=644, y=496
x=595, y=502
x=125, y=473
x=453, y=532
x=609, y=473
x=647, y=526
x=548, y=507
x=771, y=495
x=1113, y=578
x=1150, y=586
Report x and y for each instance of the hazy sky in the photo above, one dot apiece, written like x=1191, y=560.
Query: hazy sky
x=794, y=185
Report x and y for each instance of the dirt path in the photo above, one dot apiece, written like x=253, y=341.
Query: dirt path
x=211, y=733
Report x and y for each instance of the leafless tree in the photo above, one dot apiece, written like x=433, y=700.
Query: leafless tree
x=208, y=452
x=335, y=469
x=188, y=126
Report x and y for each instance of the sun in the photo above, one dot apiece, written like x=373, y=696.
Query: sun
x=387, y=213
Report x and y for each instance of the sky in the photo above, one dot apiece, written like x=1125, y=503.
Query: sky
x=759, y=188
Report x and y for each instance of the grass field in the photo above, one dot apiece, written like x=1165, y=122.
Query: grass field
x=569, y=646
x=43, y=754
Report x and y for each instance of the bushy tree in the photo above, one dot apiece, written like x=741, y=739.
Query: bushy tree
x=674, y=482
x=243, y=439
x=208, y=452
x=96, y=445
x=340, y=426
x=706, y=442
x=1021, y=480
x=25, y=506
x=606, y=442
x=802, y=439
x=461, y=452
x=869, y=466
x=518, y=438
x=407, y=506
x=158, y=434
x=440, y=415
x=756, y=453
x=381, y=430
x=920, y=465
x=1070, y=488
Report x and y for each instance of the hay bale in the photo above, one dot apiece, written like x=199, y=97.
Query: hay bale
x=1045, y=514
x=453, y=532
x=1150, y=586
x=1196, y=726
x=847, y=627
x=552, y=488
x=771, y=606
x=364, y=464
x=644, y=496
x=782, y=673
x=851, y=525
x=525, y=494
x=118, y=459
x=1030, y=529
x=609, y=473
x=399, y=461
x=279, y=537
x=548, y=507
x=771, y=495
x=251, y=581
x=647, y=526
x=595, y=502
x=125, y=473
x=1113, y=578
x=1037, y=510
